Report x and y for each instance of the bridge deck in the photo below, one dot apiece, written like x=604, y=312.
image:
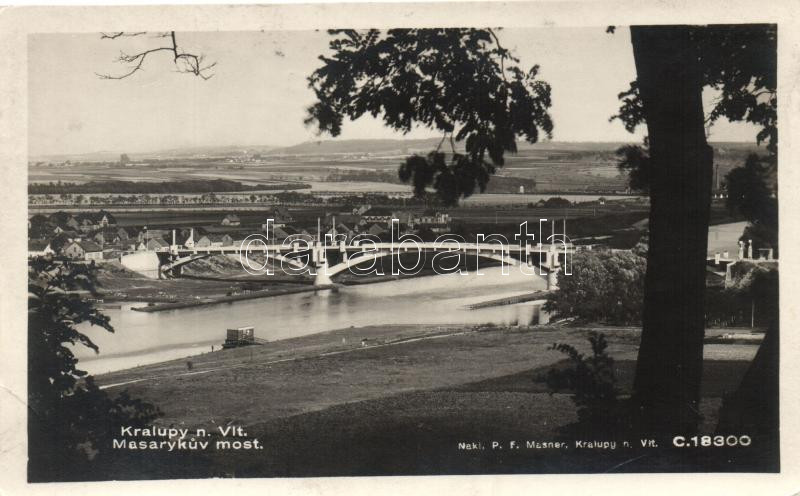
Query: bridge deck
x=256, y=247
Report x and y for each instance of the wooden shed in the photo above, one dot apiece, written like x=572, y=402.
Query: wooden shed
x=240, y=336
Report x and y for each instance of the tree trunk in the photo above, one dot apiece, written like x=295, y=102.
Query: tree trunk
x=669, y=366
x=754, y=407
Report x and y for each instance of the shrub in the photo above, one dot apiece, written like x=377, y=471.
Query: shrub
x=603, y=287
x=71, y=421
x=591, y=379
x=557, y=202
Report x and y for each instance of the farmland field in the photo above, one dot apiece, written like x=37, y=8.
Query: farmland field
x=362, y=166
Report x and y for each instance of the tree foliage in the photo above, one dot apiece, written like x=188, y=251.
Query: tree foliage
x=740, y=62
x=459, y=82
x=557, y=202
x=749, y=195
x=754, y=288
x=71, y=420
x=635, y=160
x=604, y=287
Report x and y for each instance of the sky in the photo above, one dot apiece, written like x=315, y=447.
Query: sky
x=259, y=93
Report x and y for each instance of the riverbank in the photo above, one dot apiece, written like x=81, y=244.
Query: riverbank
x=511, y=300
x=251, y=295
x=208, y=281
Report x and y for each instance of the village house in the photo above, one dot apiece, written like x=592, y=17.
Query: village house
x=436, y=222
x=231, y=220
x=126, y=233
x=73, y=249
x=188, y=236
x=105, y=219
x=68, y=235
x=145, y=233
x=404, y=218
x=376, y=230
x=82, y=250
x=360, y=210
x=380, y=215
x=287, y=235
x=340, y=229
x=110, y=235
x=91, y=221
x=63, y=222
x=155, y=243
x=280, y=217
x=102, y=237
x=214, y=240
x=39, y=248
x=279, y=233
x=86, y=223
x=343, y=217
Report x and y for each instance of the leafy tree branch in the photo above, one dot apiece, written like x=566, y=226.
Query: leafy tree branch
x=459, y=82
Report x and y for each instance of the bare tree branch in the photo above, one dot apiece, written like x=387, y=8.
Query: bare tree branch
x=185, y=62
x=503, y=53
x=113, y=36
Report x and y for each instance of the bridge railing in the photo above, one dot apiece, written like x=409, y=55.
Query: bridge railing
x=485, y=247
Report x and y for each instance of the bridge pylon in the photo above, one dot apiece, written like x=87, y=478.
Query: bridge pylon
x=552, y=279
x=322, y=278
x=176, y=271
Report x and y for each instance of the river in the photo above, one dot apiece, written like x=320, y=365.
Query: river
x=141, y=338
x=725, y=237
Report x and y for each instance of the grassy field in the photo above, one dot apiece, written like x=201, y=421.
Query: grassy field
x=399, y=403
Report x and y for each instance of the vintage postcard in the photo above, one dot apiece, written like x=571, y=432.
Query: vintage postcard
x=269, y=242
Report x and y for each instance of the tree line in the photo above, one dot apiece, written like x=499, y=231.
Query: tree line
x=191, y=186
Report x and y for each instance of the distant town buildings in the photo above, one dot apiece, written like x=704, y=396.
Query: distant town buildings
x=97, y=236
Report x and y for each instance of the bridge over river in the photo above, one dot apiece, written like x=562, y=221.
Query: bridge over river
x=324, y=260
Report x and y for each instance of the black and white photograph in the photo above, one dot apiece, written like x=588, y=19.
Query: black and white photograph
x=402, y=251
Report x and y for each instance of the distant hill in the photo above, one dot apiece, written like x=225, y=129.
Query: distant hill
x=101, y=156
x=187, y=152
x=358, y=146
x=402, y=146
x=208, y=151
x=364, y=146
